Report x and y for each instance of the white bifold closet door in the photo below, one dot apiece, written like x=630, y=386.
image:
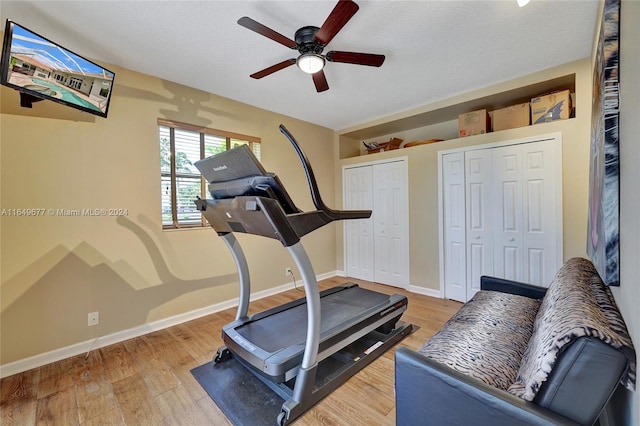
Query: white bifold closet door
x=509, y=198
x=377, y=249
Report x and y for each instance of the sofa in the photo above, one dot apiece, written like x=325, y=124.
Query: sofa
x=520, y=354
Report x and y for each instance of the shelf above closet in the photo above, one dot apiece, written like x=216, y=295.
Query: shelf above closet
x=451, y=112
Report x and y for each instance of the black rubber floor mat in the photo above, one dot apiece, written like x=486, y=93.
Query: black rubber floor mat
x=241, y=396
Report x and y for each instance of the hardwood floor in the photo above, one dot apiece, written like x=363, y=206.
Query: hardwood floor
x=147, y=380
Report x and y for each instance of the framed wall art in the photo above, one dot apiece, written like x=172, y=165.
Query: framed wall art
x=603, y=237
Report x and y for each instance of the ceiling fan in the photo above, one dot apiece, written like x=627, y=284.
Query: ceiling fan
x=310, y=41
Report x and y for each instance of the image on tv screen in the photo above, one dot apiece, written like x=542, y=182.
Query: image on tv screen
x=46, y=70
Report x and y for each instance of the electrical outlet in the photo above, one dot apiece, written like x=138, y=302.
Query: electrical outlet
x=287, y=271
x=93, y=318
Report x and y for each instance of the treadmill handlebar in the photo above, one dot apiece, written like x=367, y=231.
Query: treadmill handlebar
x=313, y=186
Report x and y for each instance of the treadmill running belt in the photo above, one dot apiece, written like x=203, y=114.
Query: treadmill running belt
x=287, y=328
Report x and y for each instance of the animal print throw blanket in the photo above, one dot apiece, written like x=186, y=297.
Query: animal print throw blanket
x=577, y=304
x=486, y=338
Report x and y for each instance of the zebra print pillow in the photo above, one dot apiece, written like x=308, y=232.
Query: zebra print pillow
x=577, y=304
x=486, y=338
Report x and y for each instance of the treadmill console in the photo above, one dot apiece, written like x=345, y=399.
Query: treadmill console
x=237, y=173
x=248, y=199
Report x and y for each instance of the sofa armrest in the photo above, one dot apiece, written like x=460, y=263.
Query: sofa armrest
x=427, y=391
x=513, y=287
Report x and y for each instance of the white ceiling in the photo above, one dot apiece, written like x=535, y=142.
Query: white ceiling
x=434, y=49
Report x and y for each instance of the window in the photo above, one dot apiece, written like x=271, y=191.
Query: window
x=181, y=145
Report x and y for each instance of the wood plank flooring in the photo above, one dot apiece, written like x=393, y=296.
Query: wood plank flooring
x=147, y=380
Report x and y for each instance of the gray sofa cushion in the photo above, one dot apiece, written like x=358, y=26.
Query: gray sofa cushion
x=577, y=304
x=486, y=338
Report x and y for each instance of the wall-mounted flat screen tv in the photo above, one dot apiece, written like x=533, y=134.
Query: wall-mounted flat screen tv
x=42, y=69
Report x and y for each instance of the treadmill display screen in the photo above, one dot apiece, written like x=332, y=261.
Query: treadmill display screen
x=233, y=164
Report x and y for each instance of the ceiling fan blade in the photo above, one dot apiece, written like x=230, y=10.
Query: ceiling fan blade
x=266, y=31
x=273, y=68
x=320, y=81
x=339, y=16
x=356, y=58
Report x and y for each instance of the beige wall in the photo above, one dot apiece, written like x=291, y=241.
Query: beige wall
x=423, y=172
x=56, y=269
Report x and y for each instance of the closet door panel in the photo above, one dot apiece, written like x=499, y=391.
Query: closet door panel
x=508, y=229
x=391, y=224
x=455, y=283
x=359, y=232
x=479, y=223
x=540, y=214
x=381, y=216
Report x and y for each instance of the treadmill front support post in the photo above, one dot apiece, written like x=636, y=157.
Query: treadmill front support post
x=306, y=377
x=243, y=273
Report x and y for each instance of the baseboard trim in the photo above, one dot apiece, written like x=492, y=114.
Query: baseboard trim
x=425, y=291
x=45, y=358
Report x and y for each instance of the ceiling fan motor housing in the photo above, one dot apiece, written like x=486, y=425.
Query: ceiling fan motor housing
x=305, y=39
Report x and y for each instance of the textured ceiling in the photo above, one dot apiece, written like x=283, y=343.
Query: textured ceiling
x=434, y=49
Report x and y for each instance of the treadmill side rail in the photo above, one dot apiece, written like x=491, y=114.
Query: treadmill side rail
x=313, y=185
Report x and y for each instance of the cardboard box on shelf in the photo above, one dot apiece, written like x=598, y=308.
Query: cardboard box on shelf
x=511, y=117
x=473, y=123
x=554, y=106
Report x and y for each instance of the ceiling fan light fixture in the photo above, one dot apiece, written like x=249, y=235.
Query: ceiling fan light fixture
x=310, y=63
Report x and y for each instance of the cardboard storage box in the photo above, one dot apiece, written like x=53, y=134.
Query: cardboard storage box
x=554, y=106
x=473, y=123
x=511, y=117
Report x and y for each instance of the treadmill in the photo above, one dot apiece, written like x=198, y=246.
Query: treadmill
x=306, y=348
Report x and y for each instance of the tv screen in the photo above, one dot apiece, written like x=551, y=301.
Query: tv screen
x=41, y=69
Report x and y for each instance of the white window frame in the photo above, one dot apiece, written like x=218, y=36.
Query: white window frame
x=169, y=178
